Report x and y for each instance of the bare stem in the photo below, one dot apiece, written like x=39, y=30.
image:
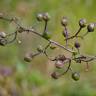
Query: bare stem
x=75, y=34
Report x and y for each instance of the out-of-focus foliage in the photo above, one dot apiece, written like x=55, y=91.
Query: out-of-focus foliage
x=18, y=78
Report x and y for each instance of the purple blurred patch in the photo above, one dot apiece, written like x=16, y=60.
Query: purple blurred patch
x=5, y=71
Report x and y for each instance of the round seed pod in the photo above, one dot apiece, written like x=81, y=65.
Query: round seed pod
x=28, y=57
x=77, y=45
x=46, y=17
x=39, y=17
x=3, y=41
x=54, y=75
x=75, y=76
x=82, y=23
x=59, y=64
x=2, y=34
x=64, y=21
x=90, y=27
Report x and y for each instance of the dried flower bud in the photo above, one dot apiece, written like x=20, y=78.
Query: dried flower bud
x=75, y=76
x=2, y=34
x=64, y=21
x=82, y=23
x=39, y=17
x=77, y=45
x=46, y=17
x=3, y=41
x=54, y=75
x=59, y=64
x=90, y=27
x=28, y=57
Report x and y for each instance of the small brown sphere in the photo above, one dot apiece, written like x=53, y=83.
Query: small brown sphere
x=28, y=57
x=3, y=41
x=46, y=16
x=54, y=75
x=64, y=21
x=39, y=17
x=59, y=64
x=90, y=27
x=75, y=76
x=82, y=23
x=2, y=34
x=77, y=45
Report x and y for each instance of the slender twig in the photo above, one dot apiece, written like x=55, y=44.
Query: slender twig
x=75, y=34
x=63, y=58
x=45, y=28
x=61, y=46
x=51, y=41
x=33, y=31
x=66, y=36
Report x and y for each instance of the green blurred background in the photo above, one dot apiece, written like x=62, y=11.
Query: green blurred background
x=33, y=79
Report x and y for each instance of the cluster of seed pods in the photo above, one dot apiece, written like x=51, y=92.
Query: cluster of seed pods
x=61, y=60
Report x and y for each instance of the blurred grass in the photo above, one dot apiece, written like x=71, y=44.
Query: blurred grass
x=34, y=79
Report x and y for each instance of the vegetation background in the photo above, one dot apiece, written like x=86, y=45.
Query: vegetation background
x=33, y=79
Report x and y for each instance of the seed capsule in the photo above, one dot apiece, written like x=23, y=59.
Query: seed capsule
x=39, y=17
x=54, y=75
x=28, y=57
x=3, y=41
x=2, y=34
x=77, y=45
x=64, y=21
x=90, y=27
x=82, y=23
x=59, y=64
x=46, y=17
x=75, y=76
